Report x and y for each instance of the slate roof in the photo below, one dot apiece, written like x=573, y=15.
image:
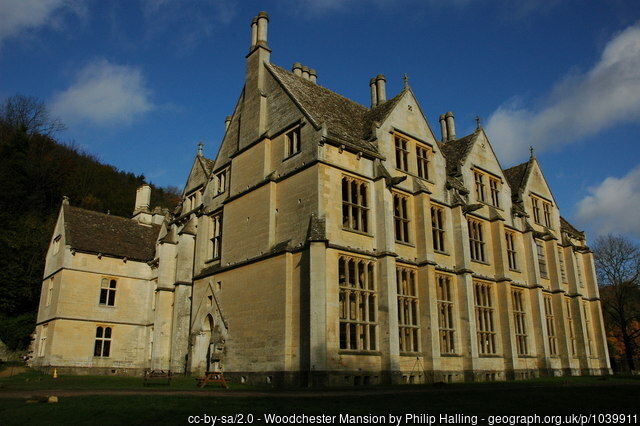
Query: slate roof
x=456, y=151
x=565, y=226
x=94, y=232
x=516, y=176
x=344, y=118
x=380, y=113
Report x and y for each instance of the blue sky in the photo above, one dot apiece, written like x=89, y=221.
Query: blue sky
x=139, y=82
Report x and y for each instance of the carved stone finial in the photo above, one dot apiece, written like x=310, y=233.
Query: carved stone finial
x=531, y=151
x=406, y=80
x=478, y=125
x=200, y=146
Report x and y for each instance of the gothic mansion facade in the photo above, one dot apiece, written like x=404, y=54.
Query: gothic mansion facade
x=329, y=243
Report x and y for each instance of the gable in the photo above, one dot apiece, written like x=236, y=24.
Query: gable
x=199, y=174
x=537, y=184
x=342, y=117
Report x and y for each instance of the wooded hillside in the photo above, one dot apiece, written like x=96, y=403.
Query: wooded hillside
x=36, y=172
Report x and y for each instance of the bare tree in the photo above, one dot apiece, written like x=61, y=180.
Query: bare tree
x=28, y=114
x=617, y=262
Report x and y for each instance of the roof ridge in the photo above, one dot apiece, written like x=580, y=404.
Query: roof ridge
x=318, y=85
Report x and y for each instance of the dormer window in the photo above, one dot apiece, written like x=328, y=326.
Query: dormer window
x=541, y=211
x=479, y=179
x=493, y=197
x=292, y=142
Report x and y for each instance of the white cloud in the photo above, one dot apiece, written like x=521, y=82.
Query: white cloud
x=613, y=205
x=18, y=16
x=578, y=107
x=104, y=94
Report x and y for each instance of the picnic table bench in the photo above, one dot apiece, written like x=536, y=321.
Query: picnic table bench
x=158, y=376
x=212, y=377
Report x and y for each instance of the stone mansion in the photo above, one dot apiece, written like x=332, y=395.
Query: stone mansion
x=328, y=243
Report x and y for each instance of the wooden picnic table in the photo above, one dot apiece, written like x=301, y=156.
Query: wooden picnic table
x=212, y=377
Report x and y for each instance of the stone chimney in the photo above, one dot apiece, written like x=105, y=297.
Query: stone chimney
x=227, y=121
x=374, y=92
x=297, y=69
x=381, y=89
x=305, y=72
x=451, y=127
x=143, y=198
x=254, y=119
x=443, y=128
x=313, y=76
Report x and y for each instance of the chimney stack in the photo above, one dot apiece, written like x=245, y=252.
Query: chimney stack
x=381, y=89
x=143, y=198
x=374, y=92
x=451, y=127
x=263, y=21
x=305, y=72
x=313, y=76
x=443, y=128
x=227, y=121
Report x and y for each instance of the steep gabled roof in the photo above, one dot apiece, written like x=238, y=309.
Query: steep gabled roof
x=94, y=232
x=380, y=113
x=456, y=151
x=343, y=117
x=517, y=176
x=200, y=173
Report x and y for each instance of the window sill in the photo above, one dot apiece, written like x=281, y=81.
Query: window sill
x=291, y=156
x=411, y=354
x=107, y=306
x=527, y=356
x=518, y=271
x=453, y=355
x=208, y=261
x=405, y=243
x=482, y=262
x=489, y=356
x=355, y=231
x=444, y=253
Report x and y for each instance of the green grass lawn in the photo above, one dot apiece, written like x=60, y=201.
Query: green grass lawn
x=559, y=396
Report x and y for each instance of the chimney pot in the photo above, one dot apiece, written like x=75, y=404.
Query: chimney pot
x=374, y=92
x=227, y=121
x=297, y=69
x=254, y=32
x=443, y=128
x=313, y=75
x=381, y=89
x=451, y=127
x=305, y=72
x=263, y=20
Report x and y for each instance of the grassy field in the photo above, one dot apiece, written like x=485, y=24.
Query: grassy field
x=560, y=396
